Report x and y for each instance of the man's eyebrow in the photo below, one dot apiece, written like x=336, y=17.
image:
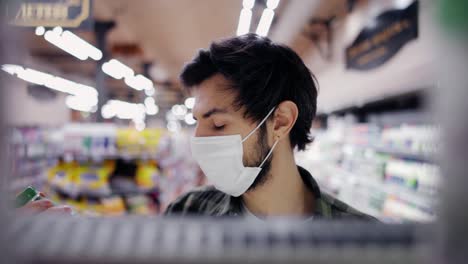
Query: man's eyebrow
x=214, y=111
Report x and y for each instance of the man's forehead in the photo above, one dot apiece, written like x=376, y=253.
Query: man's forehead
x=214, y=92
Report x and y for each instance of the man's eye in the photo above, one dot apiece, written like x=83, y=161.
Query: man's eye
x=219, y=127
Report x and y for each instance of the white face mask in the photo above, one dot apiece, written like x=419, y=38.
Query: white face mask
x=220, y=158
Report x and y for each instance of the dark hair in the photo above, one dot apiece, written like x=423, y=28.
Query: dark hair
x=263, y=74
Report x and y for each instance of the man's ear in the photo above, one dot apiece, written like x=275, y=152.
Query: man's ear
x=284, y=118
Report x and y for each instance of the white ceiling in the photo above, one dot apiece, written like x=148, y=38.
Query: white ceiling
x=170, y=32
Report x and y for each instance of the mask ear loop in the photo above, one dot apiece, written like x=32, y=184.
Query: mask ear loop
x=269, y=153
x=259, y=125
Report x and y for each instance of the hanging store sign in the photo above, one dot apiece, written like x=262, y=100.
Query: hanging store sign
x=376, y=44
x=50, y=13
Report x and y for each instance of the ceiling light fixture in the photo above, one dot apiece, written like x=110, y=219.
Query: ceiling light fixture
x=272, y=4
x=150, y=92
x=81, y=97
x=179, y=110
x=189, y=119
x=117, y=69
x=245, y=17
x=190, y=102
x=123, y=110
x=265, y=22
x=81, y=104
x=139, y=82
x=50, y=81
x=70, y=43
x=39, y=31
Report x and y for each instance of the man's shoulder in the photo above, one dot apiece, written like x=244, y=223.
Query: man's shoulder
x=335, y=208
x=205, y=200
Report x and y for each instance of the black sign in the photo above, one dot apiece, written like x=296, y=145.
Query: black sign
x=50, y=13
x=376, y=44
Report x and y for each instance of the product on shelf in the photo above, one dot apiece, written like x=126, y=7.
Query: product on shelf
x=89, y=140
x=132, y=142
x=378, y=170
x=102, y=169
x=93, y=179
x=113, y=206
x=140, y=205
x=63, y=176
x=415, y=175
x=147, y=175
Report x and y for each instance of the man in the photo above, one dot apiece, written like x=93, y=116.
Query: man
x=255, y=102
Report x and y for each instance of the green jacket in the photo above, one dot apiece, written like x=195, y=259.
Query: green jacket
x=207, y=201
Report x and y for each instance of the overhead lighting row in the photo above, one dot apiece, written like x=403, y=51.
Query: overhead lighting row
x=180, y=113
x=126, y=110
x=150, y=106
x=81, y=97
x=265, y=20
x=70, y=43
x=83, y=50
x=123, y=110
x=118, y=70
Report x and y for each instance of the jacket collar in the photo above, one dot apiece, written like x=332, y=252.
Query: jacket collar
x=233, y=206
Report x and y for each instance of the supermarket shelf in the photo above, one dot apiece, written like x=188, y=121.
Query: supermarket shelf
x=26, y=181
x=113, y=193
x=93, y=157
x=405, y=154
x=392, y=189
x=421, y=200
x=401, y=153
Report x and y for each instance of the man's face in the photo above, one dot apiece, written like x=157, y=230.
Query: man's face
x=216, y=115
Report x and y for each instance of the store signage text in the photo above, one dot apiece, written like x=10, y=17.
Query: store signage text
x=49, y=13
x=375, y=45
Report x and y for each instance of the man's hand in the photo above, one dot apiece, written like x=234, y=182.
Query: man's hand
x=45, y=206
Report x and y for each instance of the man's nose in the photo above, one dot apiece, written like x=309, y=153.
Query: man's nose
x=201, y=131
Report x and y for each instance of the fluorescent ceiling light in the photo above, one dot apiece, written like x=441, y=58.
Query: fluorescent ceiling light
x=62, y=85
x=244, y=22
x=190, y=102
x=81, y=104
x=272, y=4
x=149, y=101
x=40, y=31
x=67, y=86
x=179, y=110
x=81, y=89
x=70, y=43
x=152, y=109
x=265, y=22
x=107, y=111
x=12, y=69
x=248, y=4
x=170, y=116
x=117, y=69
x=79, y=43
x=57, y=30
x=189, y=119
x=150, y=92
x=35, y=77
x=53, y=82
x=140, y=126
x=150, y=106
x=139, y=82
x=54, y=38
x=173, y=126
x=123, y=110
